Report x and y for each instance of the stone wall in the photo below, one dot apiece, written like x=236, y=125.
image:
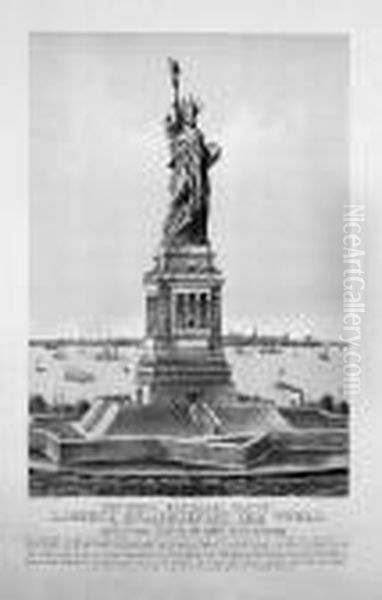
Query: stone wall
x=114, y=450
x=223, y=455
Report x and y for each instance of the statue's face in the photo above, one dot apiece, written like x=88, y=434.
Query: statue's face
x=190, y=112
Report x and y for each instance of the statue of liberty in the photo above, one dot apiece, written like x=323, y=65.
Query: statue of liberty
x=190, y=160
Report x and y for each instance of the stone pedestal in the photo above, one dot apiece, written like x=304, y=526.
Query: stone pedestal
x=183, y=361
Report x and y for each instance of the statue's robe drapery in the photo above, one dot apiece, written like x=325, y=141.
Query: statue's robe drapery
x=190, y=161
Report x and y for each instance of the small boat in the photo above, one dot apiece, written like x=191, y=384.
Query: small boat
x=108, y=352
x=77, y=375
x=270, y=350
x=324, y=355
x=59, y=354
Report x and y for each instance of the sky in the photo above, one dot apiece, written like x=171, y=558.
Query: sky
x=277, y=104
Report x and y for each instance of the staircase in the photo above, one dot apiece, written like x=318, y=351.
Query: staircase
x=98, y=419
x=204, y=419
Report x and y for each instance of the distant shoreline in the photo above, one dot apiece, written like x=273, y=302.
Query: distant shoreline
x=228, y=340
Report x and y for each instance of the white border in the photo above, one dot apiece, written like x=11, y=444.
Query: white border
x=362, y=513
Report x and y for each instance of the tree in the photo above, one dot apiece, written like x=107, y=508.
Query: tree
x=327, y=402
x=343, y=407
x=37, y=404
x=82, y=407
